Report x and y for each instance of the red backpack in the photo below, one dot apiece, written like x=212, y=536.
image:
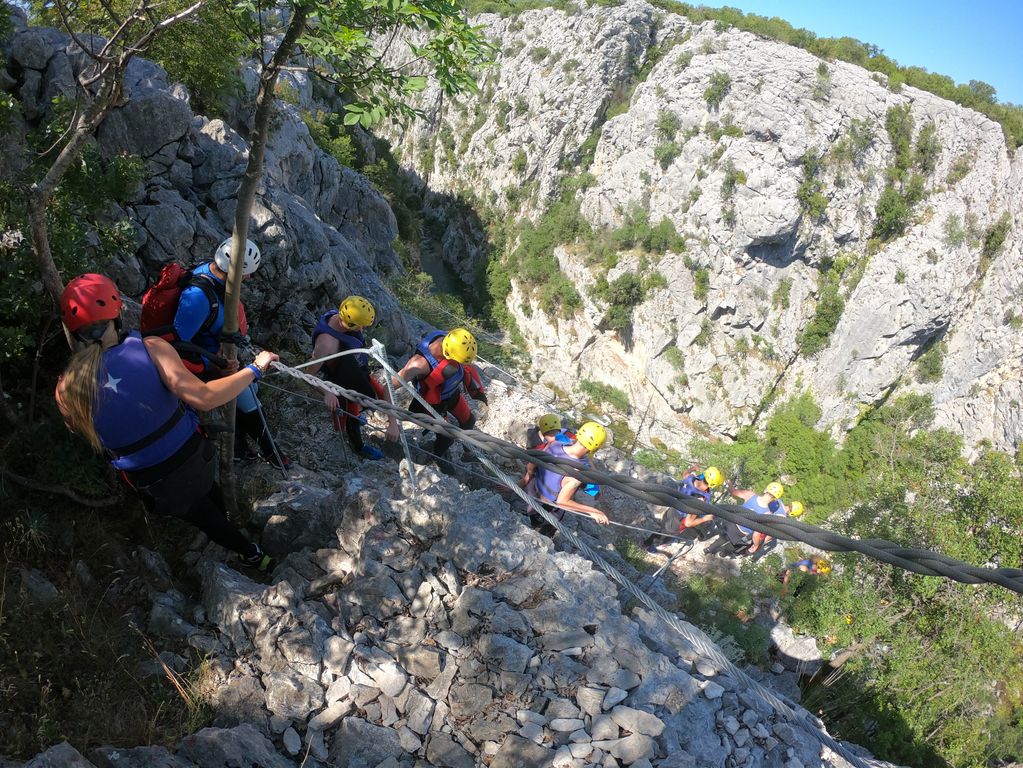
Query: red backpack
x=160, y=301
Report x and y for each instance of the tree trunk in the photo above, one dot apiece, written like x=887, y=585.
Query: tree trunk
x=243, y=212
x=42, y=191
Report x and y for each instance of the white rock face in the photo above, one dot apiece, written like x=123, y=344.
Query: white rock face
x=731, y=188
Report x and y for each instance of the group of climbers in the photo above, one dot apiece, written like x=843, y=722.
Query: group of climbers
x=135, y=395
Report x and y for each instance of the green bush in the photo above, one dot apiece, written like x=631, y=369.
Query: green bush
x=899, y=124
x=606, y=394
x=929, y=364
x=958, y=170
x=503, y=108
x=955, y=233
x=928, y=149
x=665, y=153
x=623, y=295
x=675, y=358
x=706, y=331
x=701, y=283
x=780, y=297
x=726, y=127
x=891, y=214
x=814, y=337
x=654, y=281
x=330, y=134
x=852, y=148
x=663, y=237
x=539, y=53
x=204, y=53
x=994, y=240
x=667, y=125
x=519, y=162
x=733, y=178
x=810, y=194
x=822, y=85
x=720, y=85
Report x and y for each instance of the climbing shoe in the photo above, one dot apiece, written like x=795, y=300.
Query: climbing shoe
x=371, y=453
x=260, y=561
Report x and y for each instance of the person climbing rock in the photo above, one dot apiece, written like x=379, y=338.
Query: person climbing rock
x=697, y=484
x=815, y=565
x=133, y=399
x=555, y=489
x=440, y=368
x=200, y=320
x=738, y=539
x=548, y=427
x=340, y=330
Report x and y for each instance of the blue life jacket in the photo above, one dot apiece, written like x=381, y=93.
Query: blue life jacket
x=548, y=481
x=139, y=421
x=688, y=487
x=753, y=503
x=347, y=339
x=567, y=437
x=451, y=384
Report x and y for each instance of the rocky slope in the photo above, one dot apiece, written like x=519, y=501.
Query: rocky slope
x=433, y=627
x=746, y=111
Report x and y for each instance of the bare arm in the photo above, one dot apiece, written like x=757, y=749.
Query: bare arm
x=744, y=495
x=324, y=346
x=569, y=486
x=415, y=369
x=193, y=391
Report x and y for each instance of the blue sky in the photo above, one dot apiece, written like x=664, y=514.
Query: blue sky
x=978, y=40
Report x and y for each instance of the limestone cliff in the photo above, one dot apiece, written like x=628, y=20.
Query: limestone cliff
x=728, y=136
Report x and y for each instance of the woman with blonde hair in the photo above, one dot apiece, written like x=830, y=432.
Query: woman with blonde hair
x=133, y=399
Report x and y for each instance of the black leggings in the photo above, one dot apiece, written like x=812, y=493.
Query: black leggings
x=165, y=488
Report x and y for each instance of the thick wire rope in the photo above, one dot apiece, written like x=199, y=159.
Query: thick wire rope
x=479, y=475
x=920, y=561
x=695, y=637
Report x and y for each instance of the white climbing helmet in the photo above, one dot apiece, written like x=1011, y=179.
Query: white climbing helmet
x=222, y=257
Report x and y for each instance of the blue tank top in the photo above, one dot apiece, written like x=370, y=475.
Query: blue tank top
x=139, y=421
x=451, y=384
x=548, y=481
x=753, y=502
x=347, y=339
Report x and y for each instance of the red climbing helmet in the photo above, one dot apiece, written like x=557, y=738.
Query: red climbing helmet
x=89, y=299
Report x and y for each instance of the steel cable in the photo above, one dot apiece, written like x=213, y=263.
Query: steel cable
x=920, y=561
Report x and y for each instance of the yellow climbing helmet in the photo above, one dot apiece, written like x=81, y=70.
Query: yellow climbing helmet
x=460, y=346
x=713, y=477
x=591, y=435
x=823, y=567
x=548, y=423
x=357, y=312
x=796, y=509
x=775, y=489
